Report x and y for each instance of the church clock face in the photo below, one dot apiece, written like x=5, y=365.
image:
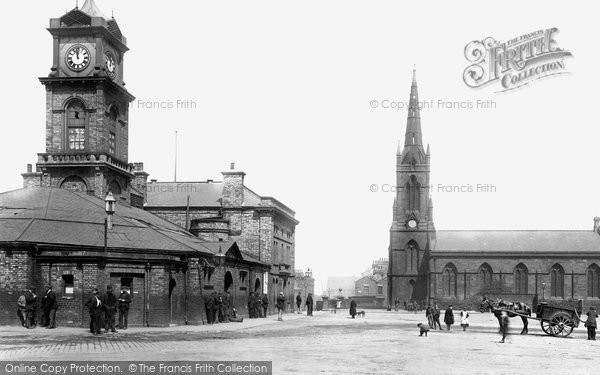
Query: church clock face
x=111, y=66
x=78, y=58
x=412, y=223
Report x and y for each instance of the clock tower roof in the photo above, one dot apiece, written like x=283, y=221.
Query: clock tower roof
x=91, y=9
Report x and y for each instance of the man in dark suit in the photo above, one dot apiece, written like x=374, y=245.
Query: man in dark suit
x=265, y=304
x=225, y=306
x=49, y=305
x=124, y=302
x=109, y=303
x=95, y=305
x=30, y=308
x=309, y=305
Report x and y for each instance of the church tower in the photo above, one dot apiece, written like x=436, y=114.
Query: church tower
x=412, y=225
x=87, y=110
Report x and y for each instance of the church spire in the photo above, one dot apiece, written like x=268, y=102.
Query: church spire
x=413, y=135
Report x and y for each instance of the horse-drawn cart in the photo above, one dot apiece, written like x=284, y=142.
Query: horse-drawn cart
x=555, y=319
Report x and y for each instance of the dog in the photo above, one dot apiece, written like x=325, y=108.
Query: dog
x=361, y=313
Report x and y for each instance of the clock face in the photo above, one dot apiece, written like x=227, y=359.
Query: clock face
x=111, y=65
x=412, y=223
x=78, y=58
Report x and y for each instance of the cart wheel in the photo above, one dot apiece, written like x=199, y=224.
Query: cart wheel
x=561, y=324
x=546, y=327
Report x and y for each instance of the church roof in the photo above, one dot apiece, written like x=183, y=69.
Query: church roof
x=52, y=216
x=516, y=241
x=202, y=194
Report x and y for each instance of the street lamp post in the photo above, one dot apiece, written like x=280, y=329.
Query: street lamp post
x=308, y=274
x=543, y=287
x=109, y=207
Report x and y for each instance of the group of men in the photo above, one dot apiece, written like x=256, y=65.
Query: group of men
x=27, y=305
x=308, y=304
x=104, y=308
x=217, y=307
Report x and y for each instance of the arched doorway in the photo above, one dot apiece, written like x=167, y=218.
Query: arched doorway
x=172, y=285
x=257, y=286
x=228, y=281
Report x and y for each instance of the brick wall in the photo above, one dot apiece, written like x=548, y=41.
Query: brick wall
x=16, y=274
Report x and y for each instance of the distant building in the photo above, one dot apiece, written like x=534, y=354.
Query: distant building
x=303, y=284
x=263, y=227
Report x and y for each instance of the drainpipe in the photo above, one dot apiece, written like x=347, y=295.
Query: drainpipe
x=147, y=292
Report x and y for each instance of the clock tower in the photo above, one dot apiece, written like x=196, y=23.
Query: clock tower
x=412, y=224
x=87, y=110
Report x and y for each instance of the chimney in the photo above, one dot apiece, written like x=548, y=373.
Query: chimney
x=597, y=224
x=233, y=187
x=31, y=178
x=139, y=185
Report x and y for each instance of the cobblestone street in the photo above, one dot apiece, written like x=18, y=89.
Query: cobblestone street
x=382, y=342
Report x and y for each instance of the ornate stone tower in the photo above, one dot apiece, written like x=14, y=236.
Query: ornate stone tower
x=87, y=110
x=412, y=225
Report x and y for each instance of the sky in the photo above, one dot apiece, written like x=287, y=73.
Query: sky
x=285, y=90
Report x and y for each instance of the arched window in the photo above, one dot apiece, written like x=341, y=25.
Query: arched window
x=412, y=257
x=557, y=281
x=74, y=183
x=449, y=275
x=113, y=116
x=521, y=279
x=485, y=276
x=593, y=281
x=76, y=121
x=413, y=194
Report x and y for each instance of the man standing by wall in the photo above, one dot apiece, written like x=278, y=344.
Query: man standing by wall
x=110, y=309
x=226, y=305
x=49, y=305
x=30, y=308
x=95, y=306
x=124, y=302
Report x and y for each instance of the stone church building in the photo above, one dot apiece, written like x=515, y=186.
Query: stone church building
x=445, y=266
x=53, y=230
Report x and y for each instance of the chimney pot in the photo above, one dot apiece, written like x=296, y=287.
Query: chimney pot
x=29, y=168
x=153, y=181
x=232, y=166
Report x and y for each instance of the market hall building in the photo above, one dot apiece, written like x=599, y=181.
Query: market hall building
x=53, y=230
x=459, y=267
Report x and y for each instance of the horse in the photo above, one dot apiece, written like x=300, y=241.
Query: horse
x=511, y=309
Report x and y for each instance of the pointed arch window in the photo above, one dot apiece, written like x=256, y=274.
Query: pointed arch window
x=521, y=279
x=412, y=257
x=449, y=276
x=593, y=281
x=557, y=281
x=485, y=276
x=76, y=125
x=413, y=194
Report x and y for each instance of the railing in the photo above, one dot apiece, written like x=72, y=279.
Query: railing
x=84, y=157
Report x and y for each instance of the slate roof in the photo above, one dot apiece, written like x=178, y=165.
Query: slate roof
x=517, y=241
x=202, y=194
x=53, y=216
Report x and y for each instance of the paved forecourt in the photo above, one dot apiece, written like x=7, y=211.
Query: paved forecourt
x=382, y=342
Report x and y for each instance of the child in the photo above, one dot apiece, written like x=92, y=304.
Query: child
x=422, y=329
x=590, y=323
x=464, y=319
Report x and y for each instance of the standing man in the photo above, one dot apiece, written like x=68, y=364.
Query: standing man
x=95, y=306
x=309, y=305
x=109, y=302
x=226, y=304
x=280, y=306
x=251, y=305
x=504, y=327
x=590, y=323
x=265, y=304
x=298, y=303
x=449, y=317
x=436, y=317
x=220, y=309
x=49, y=305
x=124, y=302
x=215, y=301
x=353, y=308
x=429, y=315
x=30, y=308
